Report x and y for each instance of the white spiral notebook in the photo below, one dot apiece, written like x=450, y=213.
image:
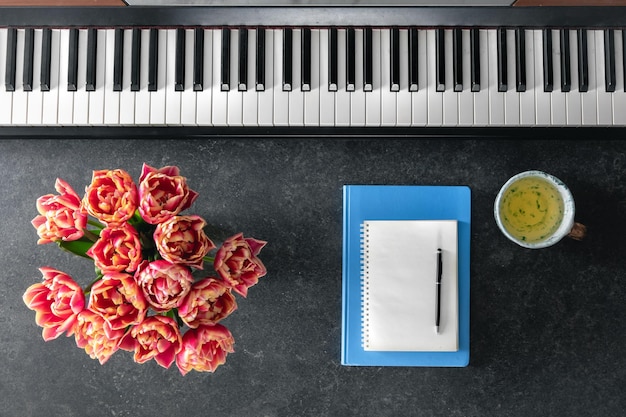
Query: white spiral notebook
x=399, y=296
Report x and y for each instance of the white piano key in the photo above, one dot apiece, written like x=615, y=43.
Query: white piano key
x=51, y=98
x=281, y=98
x=342, y=97
x=20, y=97
x=403, y=97
x=327, y=98
x=157, y=98
x=543, y=110
x=357, y=97
x=557, y=98
x=127, y=97
x=66, y=98
x=250, y=98
x=96, y=97
x=188, y=96
x=266, y=97
x=235, y=97
x=142, y=97
x=312, y=97
x=481, y=98
x=296, y=96
x=111, y=98
x=496, y=98
x=572, y=99
x=6, y=97
x=81, y=96
x=204, y=98
x=220, y=98
x=419, y=98
x=450, y=97
x=605, y=101
x=35, y=97
x=527, y=98
x=373, y=98
x=435, y=98
x=389, y=109
x=172, y=97
x=619, y=97
x=511, y=96
x=466, y=97
x=590, y=98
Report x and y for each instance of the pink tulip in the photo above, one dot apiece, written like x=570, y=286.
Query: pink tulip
x=163, y=193
x=119, y=300
x=111, y=197
x=156, y=337
x=164, y=284
x=118, y=249
x=208, y=302
x=237, y=263
x=56, y=301
x=61, y=217
x=204, y=349
x=94, y=334
x=181, y=239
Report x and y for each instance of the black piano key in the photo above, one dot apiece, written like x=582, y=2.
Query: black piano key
x=198, y=59
x=305, y=63
x=72, y=66
x=135, y=61
x=153, y=60
x=118, y=59
x=9, y=75
x=350, y=60
x=624, y=54
x=179, y=67
x=548, y=68
x=225, y=69
x=457, y=60
x=287, y=59
x=413, y=60
x=440, y=61
x=260, y=59
x=46, y=59
x=502, y=61
x=367, y=60
x=609, y=60
x=566, y=74
x=332, y=60
x=243, y=60
x=583, y=61
x=520, y=60
x=394, y=70
x=475, y=58
x=92, y=50
x=29, y=49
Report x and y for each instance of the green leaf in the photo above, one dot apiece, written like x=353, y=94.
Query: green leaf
x=77, y=247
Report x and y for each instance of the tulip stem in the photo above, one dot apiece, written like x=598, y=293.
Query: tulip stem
x=208, y=259
x=96, y=224
x=90, y=235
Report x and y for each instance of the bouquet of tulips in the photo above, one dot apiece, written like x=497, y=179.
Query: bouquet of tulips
x=144, y=298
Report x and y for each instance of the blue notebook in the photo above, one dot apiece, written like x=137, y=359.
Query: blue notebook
x=370, y=204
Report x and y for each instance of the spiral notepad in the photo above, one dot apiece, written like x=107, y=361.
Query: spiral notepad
x=398, y=273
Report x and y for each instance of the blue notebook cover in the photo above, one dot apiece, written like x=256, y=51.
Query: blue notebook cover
x=401, y=202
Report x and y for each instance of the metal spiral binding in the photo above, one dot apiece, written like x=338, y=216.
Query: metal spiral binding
x=364, y=238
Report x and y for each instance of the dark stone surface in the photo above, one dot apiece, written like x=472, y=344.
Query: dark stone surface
x=547, y=326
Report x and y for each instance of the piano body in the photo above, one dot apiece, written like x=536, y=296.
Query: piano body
x=246, y=71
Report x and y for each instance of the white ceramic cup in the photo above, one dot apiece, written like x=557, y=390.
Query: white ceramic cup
x=567, y=226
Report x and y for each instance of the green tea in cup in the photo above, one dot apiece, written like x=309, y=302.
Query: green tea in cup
x=534, y=209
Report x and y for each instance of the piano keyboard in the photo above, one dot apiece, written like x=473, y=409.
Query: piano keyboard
x=342, y=76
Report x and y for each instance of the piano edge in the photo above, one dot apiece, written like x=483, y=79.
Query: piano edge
x=315, y=16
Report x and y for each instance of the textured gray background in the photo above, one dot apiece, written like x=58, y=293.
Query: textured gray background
x=547, y=326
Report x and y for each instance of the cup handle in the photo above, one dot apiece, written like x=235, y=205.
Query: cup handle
x=578, y=232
